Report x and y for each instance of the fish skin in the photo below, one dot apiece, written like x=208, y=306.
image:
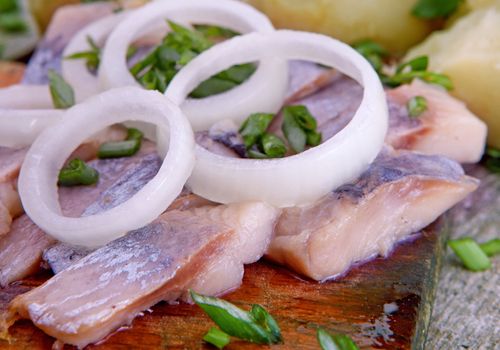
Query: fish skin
x=401, y=193
x=111, y=286
x=22, y=247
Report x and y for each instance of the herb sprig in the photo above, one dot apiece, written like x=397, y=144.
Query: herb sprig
x=328, y=341
x=62, y=93
x=126, y=148
x=178, y=48
x=474, y=256
x=256, y=326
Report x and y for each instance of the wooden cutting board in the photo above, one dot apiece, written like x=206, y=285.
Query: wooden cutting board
x=385, y=303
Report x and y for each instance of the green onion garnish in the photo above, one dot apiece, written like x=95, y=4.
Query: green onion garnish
x=76, y=173
x=299, y=128
x=328, y=341
x=372, y=51
x=216, y=32
x=492, y=247
x=217, y=338
x=61, y=92
x=256, y=326
x=492, y=160
x=431, y=9
x=416, y=106
x=254, y=127
x=417, y=64
x=273, y=146
x=119, y=149
x=8, y=6
x=92, y=56
x=12, y=22
x=470, y=253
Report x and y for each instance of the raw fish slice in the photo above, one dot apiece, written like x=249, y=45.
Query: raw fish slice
x=306, y=78
x=110, y=287
x=447, y=128
x=401, y=193
x=22, y=247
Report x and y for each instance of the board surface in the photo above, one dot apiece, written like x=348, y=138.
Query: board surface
x=385, y=303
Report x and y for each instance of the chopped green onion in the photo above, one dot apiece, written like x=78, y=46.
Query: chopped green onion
x=372, y=51
x=91, y=56
x=119, y=149
x=8, y=6
x=254, y=127
x=296, y=136
x=415, y=65
x=313, y=138
x=470, y=253
x=335, y=342
x=76, y=173
x=61, y=92
x=416, y=106
x=215, y=32
x=256, y=326
x=256, y=154
x=492, y=247
x=431, y=9
x=302, y=116
x=273, y=146
x=12, y=22
x=217, y=338
x=406, y=78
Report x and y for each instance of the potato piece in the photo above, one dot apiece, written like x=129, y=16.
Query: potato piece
x=469, y=52
x=388, y=22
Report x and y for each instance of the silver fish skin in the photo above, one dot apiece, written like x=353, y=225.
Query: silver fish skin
x=401, y=193
x=108, y=288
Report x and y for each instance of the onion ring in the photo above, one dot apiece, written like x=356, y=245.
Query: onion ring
x=25, y=110
x=38, y=177
x=75, y=72
x=263, y=91
x=305, y=177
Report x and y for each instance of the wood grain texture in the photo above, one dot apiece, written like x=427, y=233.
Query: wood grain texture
x=354, y=305
x=467, y=306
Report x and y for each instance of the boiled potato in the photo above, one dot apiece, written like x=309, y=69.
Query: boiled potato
x=388, y=22
x=469, y=52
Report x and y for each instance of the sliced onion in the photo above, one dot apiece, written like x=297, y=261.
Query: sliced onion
x=38, y=178
x=305, y=177
x=25, y=110
x=26, y=97
x=263, y=92
x=75, y=72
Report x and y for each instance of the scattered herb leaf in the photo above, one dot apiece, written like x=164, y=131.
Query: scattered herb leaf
x=126, y=148
x=273, y=146
x=61, y=92
x=217, y=338
x=254, y=127
x=91, y=56
x=470, y=253
x=416, y=106
x=77, y=173
x=237, y=322
x=373, y=52
x=432, y=9
x=492, y=247
x=328, y=341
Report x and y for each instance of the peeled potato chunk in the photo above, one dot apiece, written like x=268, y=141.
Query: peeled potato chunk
x=388, y=22
x=469, y=52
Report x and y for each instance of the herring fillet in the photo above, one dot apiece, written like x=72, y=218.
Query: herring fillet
x=110, y=287
x=22, y=247
x=447, y=128
x=401, y=193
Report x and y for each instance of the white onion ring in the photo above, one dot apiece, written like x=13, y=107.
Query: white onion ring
x=38, y=177
x=265, y=89
x=25, y=110
x=75, y=72
x=305, y=177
